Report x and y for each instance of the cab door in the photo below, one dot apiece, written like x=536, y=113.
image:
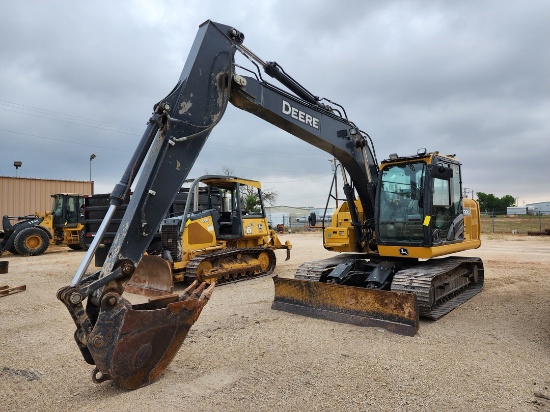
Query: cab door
x=445, y=209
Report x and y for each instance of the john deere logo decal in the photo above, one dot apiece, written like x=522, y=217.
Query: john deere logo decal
x=403, y=251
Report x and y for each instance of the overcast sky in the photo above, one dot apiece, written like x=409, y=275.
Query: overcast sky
x=470, y=78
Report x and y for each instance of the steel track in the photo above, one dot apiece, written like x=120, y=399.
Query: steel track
x=239, y=276
x=439, y=284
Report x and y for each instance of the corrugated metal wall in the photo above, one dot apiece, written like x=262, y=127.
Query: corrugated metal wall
x=21, y=196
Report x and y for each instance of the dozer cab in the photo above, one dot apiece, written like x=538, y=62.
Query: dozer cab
x=31, y=235
x=213, y=239
x=399, y=220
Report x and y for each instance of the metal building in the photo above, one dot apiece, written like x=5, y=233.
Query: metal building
x=542, y=208
x=519, y=210
x=539, y=208
x=20, y=196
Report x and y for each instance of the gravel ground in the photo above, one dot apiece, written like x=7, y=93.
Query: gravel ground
x=491, y=353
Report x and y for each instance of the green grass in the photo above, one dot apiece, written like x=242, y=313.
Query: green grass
x=520, y=224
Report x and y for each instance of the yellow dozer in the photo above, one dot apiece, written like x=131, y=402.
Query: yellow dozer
x=219, y=234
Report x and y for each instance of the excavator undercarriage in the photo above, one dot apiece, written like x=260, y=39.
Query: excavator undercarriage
x=427, y=290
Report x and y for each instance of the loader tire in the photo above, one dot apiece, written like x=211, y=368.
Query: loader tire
x=31, y=242
x=83, y=245
x=80, y=245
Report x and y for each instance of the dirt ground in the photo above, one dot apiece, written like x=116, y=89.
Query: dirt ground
x=491, y=353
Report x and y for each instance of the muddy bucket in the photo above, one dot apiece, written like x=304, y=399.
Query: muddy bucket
x=133, y=344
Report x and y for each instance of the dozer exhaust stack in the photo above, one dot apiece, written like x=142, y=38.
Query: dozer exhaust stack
x=396, y=312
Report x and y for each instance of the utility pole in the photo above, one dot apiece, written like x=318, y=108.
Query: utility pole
x=92, y=157
x=334, y=165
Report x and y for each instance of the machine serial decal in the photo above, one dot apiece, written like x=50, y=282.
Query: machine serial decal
x=300, y=115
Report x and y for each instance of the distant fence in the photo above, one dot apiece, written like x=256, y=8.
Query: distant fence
x=490, y=223
x=513, y=224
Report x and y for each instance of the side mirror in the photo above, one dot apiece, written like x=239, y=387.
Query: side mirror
x=441, y=172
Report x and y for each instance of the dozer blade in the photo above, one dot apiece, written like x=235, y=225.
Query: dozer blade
x=133, y=345
x=152, y=277
x=396, y=312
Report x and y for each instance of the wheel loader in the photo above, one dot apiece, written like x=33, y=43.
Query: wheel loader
x=392, y=236
x=31, y=235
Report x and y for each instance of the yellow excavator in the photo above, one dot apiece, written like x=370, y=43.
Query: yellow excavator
x=400, y=219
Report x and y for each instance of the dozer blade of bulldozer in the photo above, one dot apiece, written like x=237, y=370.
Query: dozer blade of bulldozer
x=396, y=312
x=133, y=345
x=152, y=277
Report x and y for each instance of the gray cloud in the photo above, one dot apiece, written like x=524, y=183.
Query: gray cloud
x=467, y=77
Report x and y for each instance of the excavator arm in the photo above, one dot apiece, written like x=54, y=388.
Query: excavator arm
x=133, y=344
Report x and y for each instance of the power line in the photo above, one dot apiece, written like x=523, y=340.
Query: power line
x=124, y=129
x=61, y=140
x=299, y=180
x=70, y=122
x=46, y=111
x=127, y=151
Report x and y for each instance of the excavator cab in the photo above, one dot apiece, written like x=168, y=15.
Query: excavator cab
x=420, y=211
x=419, y=215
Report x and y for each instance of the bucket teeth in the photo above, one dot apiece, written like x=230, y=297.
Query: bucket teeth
x=133, y=345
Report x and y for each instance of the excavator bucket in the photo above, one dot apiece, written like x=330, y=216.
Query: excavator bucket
x=152, y=277
x=396, y=312
x=133, y=345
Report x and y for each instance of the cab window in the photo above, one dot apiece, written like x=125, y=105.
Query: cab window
x=401, y=197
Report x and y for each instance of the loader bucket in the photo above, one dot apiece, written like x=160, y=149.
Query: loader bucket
x=133, y=345
x=396, y=312
x=152, y=277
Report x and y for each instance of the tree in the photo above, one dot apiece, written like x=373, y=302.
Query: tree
x=491, y=203
x=249, y=195
x=250, y=200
